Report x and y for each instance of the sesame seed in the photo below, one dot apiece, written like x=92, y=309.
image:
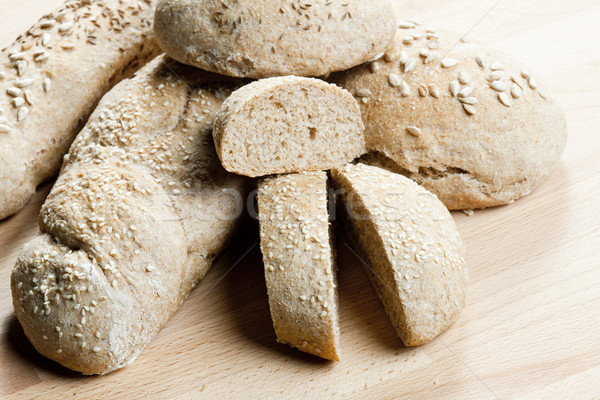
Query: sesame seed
x=323, y=313
x=434, y=44
x=496, y=66
x=59, y=351
x=28, y=96
x=22, y=114
x=499, y=86
x=303, y=298
x=374, y=66
x=516, y=91
x=18, y=102
x=468, y=100
x=449, y=62
x=424, y=53
x=394, y=80
x=406, y=25
x=466, y=91
x=496, y=75
x=411, y=63
x=65, y=26
x=17, y=56
x=403, y=58
x=434, y=91
x=413, y=130
x=469, y=109
x=408, y=39
x=46, y=85
x=96, y=349
x=525, y=74
x=430, y=58
x=464, y=78
x=45, y=337
x=454, y=88
x=21, y=67
x=503, y=97
x=78, y=335
x=363, y=92
x=532, y=83
x=480, y=60
x=149, y=268
x=21, y=83
x=98, y=335
x=45, y=39
x=114, y=283
x=405, y=92
x=423, y=91
x=13, y=91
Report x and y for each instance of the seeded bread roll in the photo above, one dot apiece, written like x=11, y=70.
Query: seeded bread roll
x=261, y=39
x=52, y=77
x=298, y=254
x=288, y=124
x=139, y=212
x=416, y=259
x=469, y=123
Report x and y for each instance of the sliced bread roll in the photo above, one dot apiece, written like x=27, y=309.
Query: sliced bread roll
x=412, y=250
x=288, y=124
x=469, y=123
x=52, y=77
x=299, y=260
x=261, y=39
x=139, y=212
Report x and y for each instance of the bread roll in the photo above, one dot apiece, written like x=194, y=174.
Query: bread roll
x=52, y=77
x=299, y=260
x=139, y=212
x=261, y=39
x=471, y=124
x=288, y=124
x=410, y=246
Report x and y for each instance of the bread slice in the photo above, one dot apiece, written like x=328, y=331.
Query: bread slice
x=265, y=38
x=410, y=246
x=139, y=212
x=471, y=124
x=299, y=260
x=288, y=124
x=53, y=76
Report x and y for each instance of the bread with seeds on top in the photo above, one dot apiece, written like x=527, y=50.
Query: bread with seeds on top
x=52, y=77
x=299, y=259
x=261, y=39
x=140, y=210
x=469, y=123
x=288, y=124
x=409, y=244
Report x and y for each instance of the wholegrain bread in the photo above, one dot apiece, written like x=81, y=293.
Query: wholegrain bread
x=261, y=39
x=469, y=123
x=299, y=262
x=140, y=210
x=288, y=124
x=52, y=77
x=412, y=250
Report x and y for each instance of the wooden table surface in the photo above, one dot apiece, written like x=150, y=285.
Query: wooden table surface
x=531, y=326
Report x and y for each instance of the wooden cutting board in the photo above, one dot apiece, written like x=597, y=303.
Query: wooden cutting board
x=530, y=330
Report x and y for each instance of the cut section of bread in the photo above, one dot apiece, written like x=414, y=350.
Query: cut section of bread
x=469, y=123
x=261, y=39
x=410, y=247
x=288, y=124
x=52, y=77
x=134, y=221
x=299, y=260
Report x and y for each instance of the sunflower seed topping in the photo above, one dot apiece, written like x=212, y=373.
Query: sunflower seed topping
x=504, y=99
x=21, y=83
x=454, y=88
x=532, y=83
x=471, y=110
x=413, y=130
x=5, y=128
x=403, y=57
x=394, y=80
x=434, y=91
x=13, y=91
x=363, y=92
x=406, y=25
x=466, y=91
x=516, y=91
x=464, y=78
x=410, y=65
x=405, y=92
x=496, y=75
x=480, y=60
x=22, y=114
x=468, y=100
x=449, y=62
x=499, y=86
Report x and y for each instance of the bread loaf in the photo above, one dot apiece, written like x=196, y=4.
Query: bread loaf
x=52, y=77
x=288, y=124
x=139, y=212
x=298, y=254
x=469, y=123
x=261, y=39
x=410, y=246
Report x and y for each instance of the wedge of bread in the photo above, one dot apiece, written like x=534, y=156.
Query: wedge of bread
x=288, y=124
x=53, y=76
x=410, y=246
x=139, y=212
x=299, y=260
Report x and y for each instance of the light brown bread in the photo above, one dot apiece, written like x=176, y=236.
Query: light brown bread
x=288, y=124
x=52, y=77
x=410, y=246
x=299, y=260
x=262, y=39
x=139, y=212
x=469, y=123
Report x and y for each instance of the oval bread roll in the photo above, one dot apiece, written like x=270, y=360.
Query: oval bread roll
x=135, y=219
x=261, y=39
x=288, y=124
x=52, y=77
x=414, y=255
x=298, y=254
x=471, y=124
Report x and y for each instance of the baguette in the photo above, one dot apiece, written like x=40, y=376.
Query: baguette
x=52, y=77
x=469, y=123
x=139, y=212
x=299, y=262
x=262, y=39
x=414, y=254
x=288, y=124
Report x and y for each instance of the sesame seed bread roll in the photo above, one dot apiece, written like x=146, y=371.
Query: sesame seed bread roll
x=262, y=39
x=414, y=255
x=471, y=124
x=299, y=259
x=139, y=212
x=52, y=77
x=288, y=124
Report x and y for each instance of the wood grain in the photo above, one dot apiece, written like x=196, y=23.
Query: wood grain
x=530, y=330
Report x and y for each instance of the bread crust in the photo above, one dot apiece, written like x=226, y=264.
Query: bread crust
x=469, y=123
x=299, y=260
x=410, y=247
x=260, y=39
x=52, y=77
x=141, y=208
